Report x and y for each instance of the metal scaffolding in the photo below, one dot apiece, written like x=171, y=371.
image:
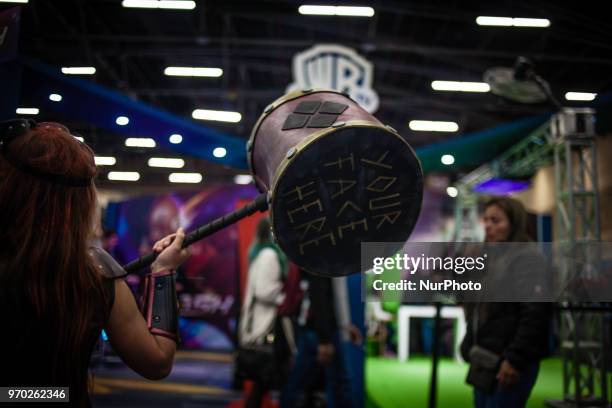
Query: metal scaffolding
x=521, y=160
x=578, y=225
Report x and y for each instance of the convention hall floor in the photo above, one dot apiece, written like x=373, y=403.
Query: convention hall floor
x=393, y=384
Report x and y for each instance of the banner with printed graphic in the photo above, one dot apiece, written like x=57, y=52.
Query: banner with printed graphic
x=208, y=282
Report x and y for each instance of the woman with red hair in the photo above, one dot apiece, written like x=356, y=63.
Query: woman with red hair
x=57, y=293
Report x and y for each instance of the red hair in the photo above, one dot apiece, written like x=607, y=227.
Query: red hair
x=45, y=227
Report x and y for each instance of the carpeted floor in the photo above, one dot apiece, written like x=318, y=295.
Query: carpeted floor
x=197, y=380
x=391, y=384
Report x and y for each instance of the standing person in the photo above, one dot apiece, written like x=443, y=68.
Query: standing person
x=513, y=337
x=318, y=342
x=260, y=359
x=56, y=293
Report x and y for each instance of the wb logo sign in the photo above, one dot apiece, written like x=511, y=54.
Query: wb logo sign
x=335, y=67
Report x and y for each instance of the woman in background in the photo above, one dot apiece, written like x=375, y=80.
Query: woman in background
x=517, y=333
x=258, y=319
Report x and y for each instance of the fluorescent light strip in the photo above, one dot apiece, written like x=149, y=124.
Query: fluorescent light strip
x=216, y=115
x=185, y=177
x=166, y=162
x=354, y=11
x=139, y=142
x=124, y=176
x=433, y=126
x=317, y=10
x=531, y=22
x=78, y=70
x=345, y=11
x=193, y=72
x=494, y=21
x=105, y=160
x=580, y=96
x=177, y=4
x=161, y=4
x=460, y=86
x=140, y=3
x=14, y=1
x=27, y=111
x=243, y=179
x=512, y=21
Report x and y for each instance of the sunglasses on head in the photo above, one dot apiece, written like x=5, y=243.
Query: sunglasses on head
x=12, y=129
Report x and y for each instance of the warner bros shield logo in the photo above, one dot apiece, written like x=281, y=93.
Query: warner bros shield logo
x=335, y=67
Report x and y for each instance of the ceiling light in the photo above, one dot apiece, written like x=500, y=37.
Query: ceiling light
x=512, y=22
x=220, y=152
x=139, y=142
x=14, y=1
x=494, y=21
x=177, y=4
x=433, y=126
x=161, y=4
x=243, y=179
x=500, y=186
x=185, y=177
x=27, y=111
x=216, y=115
x=139, y=3
x=345, y=11
x=193, y=72
x=78, y=70
x=460, y=86
x=354, y=11
x=580, y=96
x=447, y=159
x=317, y=10
x=531, y=22
x=105, y=160
x=452, y=191
x=124, y=175
x=166, y=162
x=122, y=120
x=55, y=97
x=176, y=138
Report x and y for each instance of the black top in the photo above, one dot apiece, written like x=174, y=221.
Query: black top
x=27, y=346
x=518, y=331
x=321, y=316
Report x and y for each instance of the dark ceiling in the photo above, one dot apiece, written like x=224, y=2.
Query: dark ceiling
x=409, y=43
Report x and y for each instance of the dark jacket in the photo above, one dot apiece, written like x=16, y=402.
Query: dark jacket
x=517, y=331
x=322, y=316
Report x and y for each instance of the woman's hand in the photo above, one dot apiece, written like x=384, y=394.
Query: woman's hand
x=325, y=353
x=171, y=255
x=507, y=374
x=355, y=335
